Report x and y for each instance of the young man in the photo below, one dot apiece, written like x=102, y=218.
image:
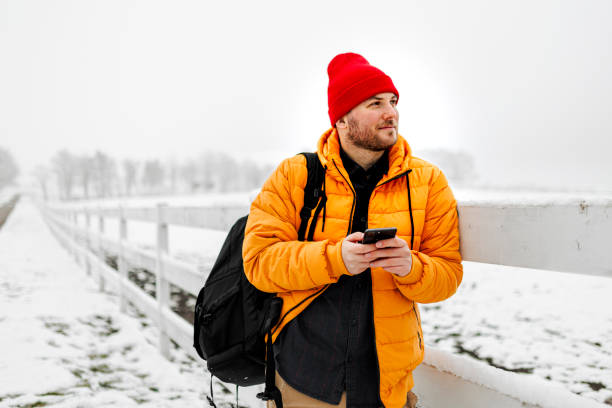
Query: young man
x=351, y=333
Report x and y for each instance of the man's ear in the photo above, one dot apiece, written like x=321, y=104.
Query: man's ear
x=342, y=123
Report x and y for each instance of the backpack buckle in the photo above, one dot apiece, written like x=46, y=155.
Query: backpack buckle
x=206, y=319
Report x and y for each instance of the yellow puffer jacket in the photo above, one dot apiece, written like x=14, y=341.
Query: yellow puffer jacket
x=274, y=261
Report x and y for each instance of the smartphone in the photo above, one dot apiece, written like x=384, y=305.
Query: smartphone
x=373, y=235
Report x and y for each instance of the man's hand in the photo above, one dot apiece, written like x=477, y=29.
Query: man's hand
x=393, y=255
x=354, y=253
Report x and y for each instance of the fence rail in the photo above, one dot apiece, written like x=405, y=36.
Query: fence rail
x=568, y=237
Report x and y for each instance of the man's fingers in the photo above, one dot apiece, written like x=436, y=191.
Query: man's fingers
x=391, y=252
x=355, y=237
x=389, y=262
x=391, y=242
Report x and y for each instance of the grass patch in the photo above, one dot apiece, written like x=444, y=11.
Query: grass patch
x=53, y=394
x=57, y=327
x=139, y=400
x=78, y=373
x=97, y=356
x=127, y=349
x=101, y=368
x=9, y=396
x=110, y=384
x=34, y=404
x=224, y=389
x=595, y=386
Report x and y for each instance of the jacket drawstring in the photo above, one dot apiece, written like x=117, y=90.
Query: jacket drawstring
x=325, y=203
x=410, y=210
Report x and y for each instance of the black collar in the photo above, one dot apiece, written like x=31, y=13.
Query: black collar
x=355, y=171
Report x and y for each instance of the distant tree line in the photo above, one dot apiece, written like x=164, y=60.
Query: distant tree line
x=8, y=168
x=72, y=176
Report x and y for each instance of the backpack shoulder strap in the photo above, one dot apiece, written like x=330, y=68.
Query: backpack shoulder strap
x=313, y=191
x=314, y=199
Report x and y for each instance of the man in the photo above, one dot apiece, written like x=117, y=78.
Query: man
x=350, y=332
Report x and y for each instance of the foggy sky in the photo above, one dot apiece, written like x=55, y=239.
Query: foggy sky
x=524, y=86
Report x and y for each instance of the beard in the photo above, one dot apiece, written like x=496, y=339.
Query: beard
x=368, y=139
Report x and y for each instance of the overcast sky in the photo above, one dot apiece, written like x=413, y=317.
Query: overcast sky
x=524, y=86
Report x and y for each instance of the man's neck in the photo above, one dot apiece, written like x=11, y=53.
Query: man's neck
x=363, y=157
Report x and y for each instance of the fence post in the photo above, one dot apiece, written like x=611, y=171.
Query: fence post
x=100, y=250
x=121, y=262
x=75, y=235
x=87, y=240
x=162, y=288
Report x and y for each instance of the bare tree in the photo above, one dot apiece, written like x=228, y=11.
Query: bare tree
x=42, y=175
x=221, y=172
x=8, y=168
x=130, y=169
x=153, y=175
x=84, y=173
x=65, y=168
x=209, y=171
x=173, y=175
x=104, y=174
x=189, y=173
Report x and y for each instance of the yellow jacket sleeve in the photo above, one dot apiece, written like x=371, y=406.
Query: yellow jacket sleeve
x=436, y=268
x=274, y=260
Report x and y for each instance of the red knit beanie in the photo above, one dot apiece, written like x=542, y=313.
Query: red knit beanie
x=352, y=80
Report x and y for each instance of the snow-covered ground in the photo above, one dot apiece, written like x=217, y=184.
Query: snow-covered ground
x=65, y=344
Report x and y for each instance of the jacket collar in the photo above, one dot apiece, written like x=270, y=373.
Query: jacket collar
x=328, y=149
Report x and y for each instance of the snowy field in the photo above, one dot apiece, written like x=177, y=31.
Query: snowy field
x=554, y=325
x=64, y=344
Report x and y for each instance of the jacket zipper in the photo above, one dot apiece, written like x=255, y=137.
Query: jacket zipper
x=371, y=278
x=394, y=178
x=348, y=232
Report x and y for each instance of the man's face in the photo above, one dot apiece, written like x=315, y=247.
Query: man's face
x=372, y=125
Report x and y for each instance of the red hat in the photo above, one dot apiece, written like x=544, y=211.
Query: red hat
x=352, y=80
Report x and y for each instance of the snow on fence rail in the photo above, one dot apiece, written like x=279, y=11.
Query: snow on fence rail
x=564, y=237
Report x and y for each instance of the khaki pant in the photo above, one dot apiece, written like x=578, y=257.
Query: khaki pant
x=292, y=398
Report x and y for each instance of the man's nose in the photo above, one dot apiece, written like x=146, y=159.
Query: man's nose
x=390, y=112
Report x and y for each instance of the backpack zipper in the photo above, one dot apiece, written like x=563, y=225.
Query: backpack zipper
x=296, y=306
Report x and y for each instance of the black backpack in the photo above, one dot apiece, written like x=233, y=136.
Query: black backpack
x=232, y=317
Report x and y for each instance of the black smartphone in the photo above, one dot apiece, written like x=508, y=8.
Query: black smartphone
x=373, y=235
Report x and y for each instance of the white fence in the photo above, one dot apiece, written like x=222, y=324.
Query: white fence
x=568, y=237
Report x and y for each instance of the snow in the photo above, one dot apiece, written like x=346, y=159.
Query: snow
x=7, y=193
x=66, y=344
x=469, y=196
x=530, y=389
x=554, y=325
